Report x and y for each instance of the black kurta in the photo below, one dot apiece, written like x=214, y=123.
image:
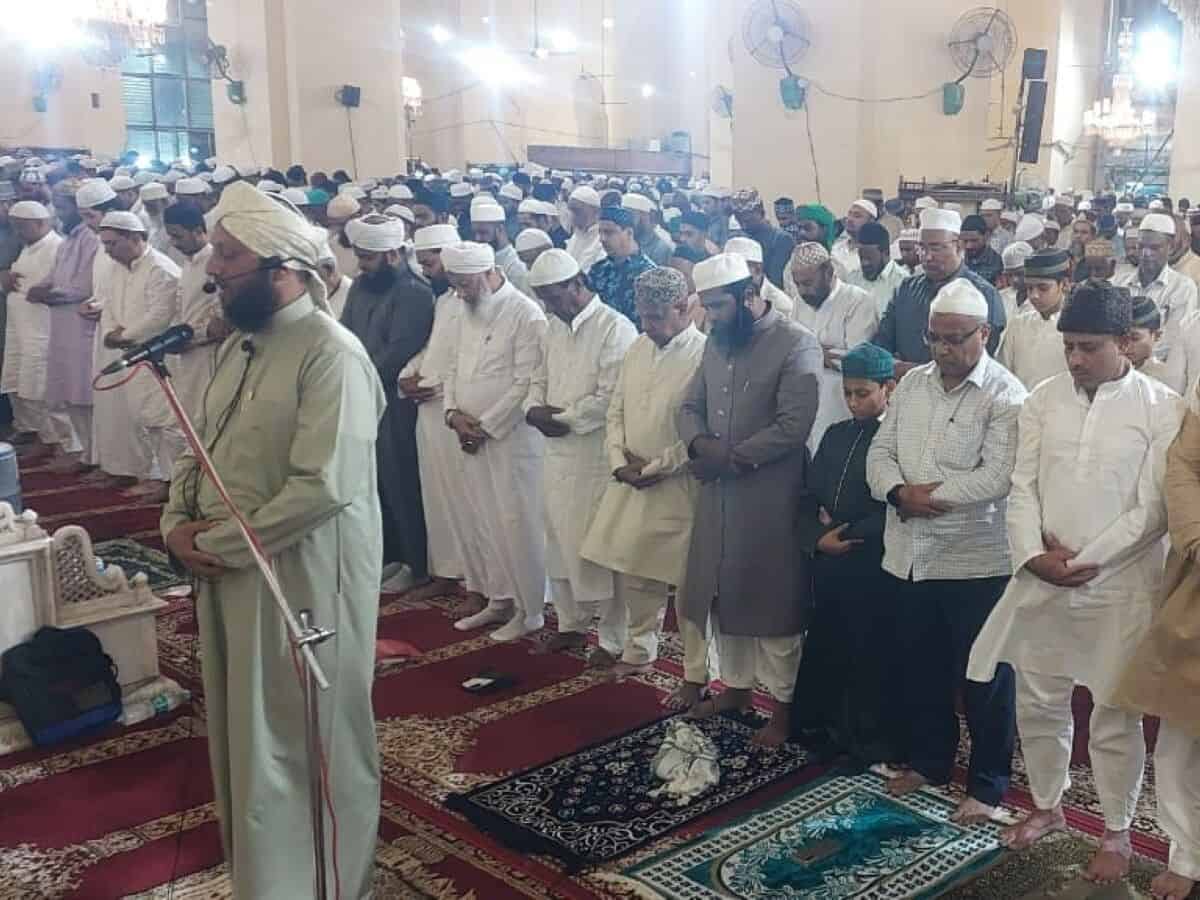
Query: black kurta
x=394, y=326
x=842, y=702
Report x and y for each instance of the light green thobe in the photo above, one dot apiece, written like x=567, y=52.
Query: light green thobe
x=298, y=458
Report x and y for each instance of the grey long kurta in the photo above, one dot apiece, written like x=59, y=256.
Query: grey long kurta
x=394, y=327
x=298, y=458
x=760, y=402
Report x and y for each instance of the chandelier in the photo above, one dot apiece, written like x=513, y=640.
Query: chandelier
x=116, y=28
x=1114, y=118
x=1187, y=10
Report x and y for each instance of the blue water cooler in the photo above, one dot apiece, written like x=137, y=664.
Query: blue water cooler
x=10, y=477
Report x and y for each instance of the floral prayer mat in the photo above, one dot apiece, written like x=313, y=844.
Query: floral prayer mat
x=839, y=837
x=593, y=805
x=134, y=557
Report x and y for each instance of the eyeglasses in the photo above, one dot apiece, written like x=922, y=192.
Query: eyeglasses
x=950, y=340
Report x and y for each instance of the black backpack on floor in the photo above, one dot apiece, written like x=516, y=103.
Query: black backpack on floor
x=62, y=684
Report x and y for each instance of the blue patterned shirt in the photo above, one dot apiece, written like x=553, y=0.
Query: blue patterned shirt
x=613, y=280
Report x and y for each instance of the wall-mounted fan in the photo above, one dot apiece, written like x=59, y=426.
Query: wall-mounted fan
x=722, y=101
x=776, y=33
x=982, y=42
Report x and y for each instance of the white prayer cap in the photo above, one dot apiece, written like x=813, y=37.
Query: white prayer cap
x=369, y=184
x=435, y=237
x=748, y=248
x=190, y=187
x=487, y=212
x=171, y=176
x=586, y=195
x=375, y=233
x=1085, y=205
x=1123, y=208
x=1015, y=254
x=910, y=235
x=401, y=212
x=546, y=208
x=379, y=193
x=531, y=239
x=343, y=206
x=1030, y=227
x=143, y=177
x=400, y=192
x=512, y=192
x=295, y=196
x=925, y=203
x=1160, y=222
x=1011, y=216
x=268, y=186
x=469, y=258
x=530, y=205
x=93, y=192
x=28, y=209
x=959, y=298
x=553, y=267
x=153, y=191
x=270, y=228
x=461, y=189
x=941, y=220
x=991, y=204
x=483, y=198
x=1155, y=204
x=1047, y=203
x=639, y=202
x=719, y=271
x=475, y=172
x=121, y=221
x=122, y=183
x=1050, y=223
x=351, y=190
x=867, y=206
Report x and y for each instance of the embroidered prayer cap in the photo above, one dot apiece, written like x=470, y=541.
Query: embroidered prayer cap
x=1097, y=307
x=925, y=203
x=910, y=236
x=122, y=183
x=810, y=253
x=553, y=267
x=436, y=237
x=93, y=192
x=1015, y=254
x=28, y=209
x=119, y=220
x=991, y=204
x=191, y=187
x=866, y=206
x=1051, y=263
x=941, y=220
x=532, y=239
x=869, y=361
x=618, y=215
x=469, y=258
x=746, y=200
x=487, y=213
x=1160, y=222
x=639, y=202
x=1030, y=228
x=1100, y=248
x=748, y=248
x=376, y=234
x=153, y=191
x=586, y=195
x=719, y=271
x=660, y=286
x=959, y=298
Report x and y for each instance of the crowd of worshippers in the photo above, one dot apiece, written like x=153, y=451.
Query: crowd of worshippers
x=877, y=461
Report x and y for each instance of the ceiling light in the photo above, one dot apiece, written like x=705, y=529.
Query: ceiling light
x=440, y=34
x=647, y=91
x=486, y=20
x=608, y=24
x=494, y=65
x=1156, y=59
x=562, y=41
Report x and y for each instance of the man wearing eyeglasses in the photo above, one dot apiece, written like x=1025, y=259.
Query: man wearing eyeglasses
x=942, y=459
x=903, y=326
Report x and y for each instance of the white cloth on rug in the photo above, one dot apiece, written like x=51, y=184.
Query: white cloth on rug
x=687, y=762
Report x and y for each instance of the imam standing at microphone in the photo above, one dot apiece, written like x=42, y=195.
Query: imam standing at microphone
x=291, y=418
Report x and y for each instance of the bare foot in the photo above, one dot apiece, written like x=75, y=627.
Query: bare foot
x=1111, y=862
x=685, y=696
x=564, y=640
x=431, y=588
x=729, y=700
x=907, y=783
x=972, y=812
x=1169, y=886
x=1032, y=828
x=774, y=733
x=600, y=658
x=625, y=670
x=473, y=602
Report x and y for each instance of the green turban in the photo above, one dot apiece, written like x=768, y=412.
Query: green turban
x=814, y=212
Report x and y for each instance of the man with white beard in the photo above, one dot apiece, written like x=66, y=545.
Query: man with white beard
x=586, y=342
x=27, y=330
x=484, y=385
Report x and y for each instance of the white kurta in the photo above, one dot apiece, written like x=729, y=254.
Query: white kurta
x=845, y=255
x=1008, y=298
x=1091, y=474
x=586, y=248
x=337, y=299
x=846, y=318
x=439, y=457
x=499, y=350
x=647, y=532
x=514, y=270
x=883, y=288
x=193, y=369
x=1032, y=347
x=27, y=331
x=579, y=373
x=778, y=299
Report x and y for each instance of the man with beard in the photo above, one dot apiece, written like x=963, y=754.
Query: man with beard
x=845, y=249
x=584, y=244
x=1012, y=279
x=438, y=455
x=693, y=237
x=290, y=420
x=879, y=275
x=391, y=312
x=534, y=213
x=614, y=275
x=155, y=201
x=532, y=243
x=978, y=256
x=193, y=367
x=769, y=296
x=648, y=239
x=745, y=421
x=776, y=244
x=841, y=316
x=998, y=237
x=908, y=245
x=1061, y=214
x=489, y=227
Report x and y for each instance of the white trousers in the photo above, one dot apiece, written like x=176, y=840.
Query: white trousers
x=575, y=615
x=645, y=603
x=1115, y=745
x=30, y=415
x=1177, y=779
x=773, y=661
x=73, y=429
x=700, y=659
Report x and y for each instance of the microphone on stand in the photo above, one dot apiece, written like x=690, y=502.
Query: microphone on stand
x=173, y=338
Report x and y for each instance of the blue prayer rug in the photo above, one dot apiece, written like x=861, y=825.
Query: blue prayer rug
x=134, y=557
x=838, y=837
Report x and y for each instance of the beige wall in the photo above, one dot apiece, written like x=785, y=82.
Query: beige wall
x=1185, y=146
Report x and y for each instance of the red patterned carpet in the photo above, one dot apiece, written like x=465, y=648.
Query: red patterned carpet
x=120, y=814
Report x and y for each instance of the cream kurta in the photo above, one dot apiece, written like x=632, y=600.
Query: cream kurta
x=647, y=532
x=846, y=318
x=1091, y=474
x=194, y=367
x=298, y=458
x=27, y=331
x=883, y=288
x=438, y=455
x=579, y=374
x=1032, y=347
x=586, y=248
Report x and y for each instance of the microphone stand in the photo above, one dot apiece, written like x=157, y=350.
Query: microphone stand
x=305, y=635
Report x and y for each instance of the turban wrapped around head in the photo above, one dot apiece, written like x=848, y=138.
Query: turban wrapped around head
x=814, y=212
